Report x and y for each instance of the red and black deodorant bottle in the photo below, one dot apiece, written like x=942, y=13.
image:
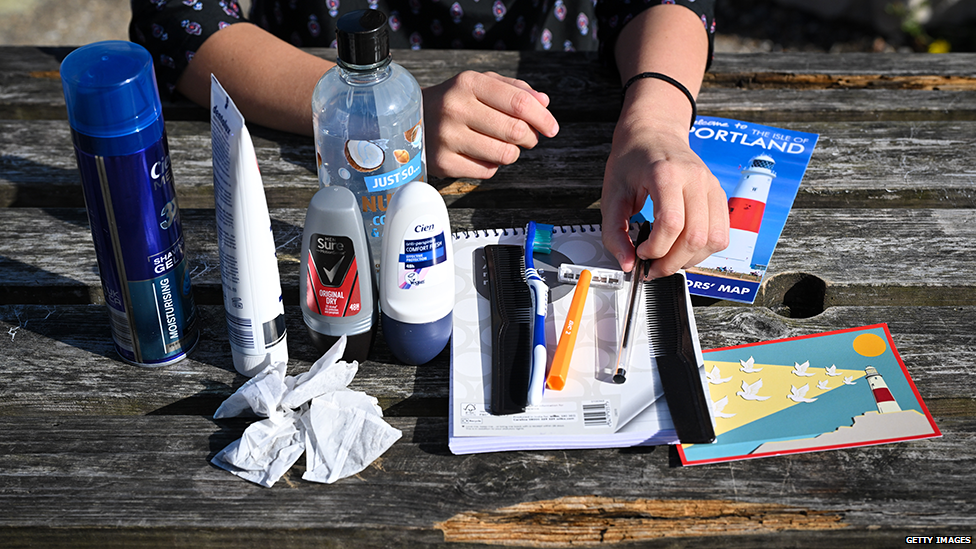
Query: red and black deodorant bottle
x=338, y=288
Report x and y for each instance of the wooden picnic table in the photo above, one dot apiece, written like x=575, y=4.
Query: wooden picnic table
x=97, y=452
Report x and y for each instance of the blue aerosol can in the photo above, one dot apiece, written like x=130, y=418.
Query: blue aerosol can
x=120, y=143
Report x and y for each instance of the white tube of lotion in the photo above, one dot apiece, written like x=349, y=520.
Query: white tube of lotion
x=248, y=266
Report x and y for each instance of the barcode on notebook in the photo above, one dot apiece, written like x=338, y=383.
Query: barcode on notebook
x=596, y=413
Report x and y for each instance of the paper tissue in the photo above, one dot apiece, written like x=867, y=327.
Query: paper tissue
x=340, y=430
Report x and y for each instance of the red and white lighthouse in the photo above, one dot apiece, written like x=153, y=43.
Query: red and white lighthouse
x=882, y=395
x=746, y=207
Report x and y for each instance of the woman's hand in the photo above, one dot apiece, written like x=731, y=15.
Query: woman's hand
x=691, y=216
x=476, y=122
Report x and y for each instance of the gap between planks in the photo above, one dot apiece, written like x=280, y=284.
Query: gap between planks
x=764, y=80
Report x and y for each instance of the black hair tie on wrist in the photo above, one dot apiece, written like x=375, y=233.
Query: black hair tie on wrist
x=669, y=80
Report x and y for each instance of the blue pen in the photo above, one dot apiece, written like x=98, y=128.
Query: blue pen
x=537, y=238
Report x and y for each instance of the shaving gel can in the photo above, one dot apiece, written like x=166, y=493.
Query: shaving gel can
x=120, y=143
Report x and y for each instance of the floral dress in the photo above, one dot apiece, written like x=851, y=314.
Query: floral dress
x=173, y=30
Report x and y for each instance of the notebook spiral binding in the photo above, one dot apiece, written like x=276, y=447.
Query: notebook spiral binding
x=520, y=231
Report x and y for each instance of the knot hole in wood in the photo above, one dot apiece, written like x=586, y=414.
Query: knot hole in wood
x=793, y=295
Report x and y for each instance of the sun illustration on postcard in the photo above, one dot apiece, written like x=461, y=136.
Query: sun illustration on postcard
x=824, y=391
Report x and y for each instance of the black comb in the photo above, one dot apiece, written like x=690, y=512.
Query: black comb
x=511, y=328
x=669, y=330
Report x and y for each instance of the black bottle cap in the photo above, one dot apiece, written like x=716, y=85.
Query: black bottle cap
x=362, y=38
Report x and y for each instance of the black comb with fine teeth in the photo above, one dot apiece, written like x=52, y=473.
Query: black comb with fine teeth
x=511, y=328
x=672, y=348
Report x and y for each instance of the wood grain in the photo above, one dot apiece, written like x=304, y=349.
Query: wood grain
x=855, y=164
x=151, y=472
x=591, y=520
x=59, y=359
x=850, y=250
x=580, y=88
x=98, y=453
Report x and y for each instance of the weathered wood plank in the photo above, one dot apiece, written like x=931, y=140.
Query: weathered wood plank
x=99, y=453
x=780, y=106
x=386, y=538
x=864, y=257
x=16, y=61
x=581, y=88
x=962, y=65
x=855, y=164
x=152, y=472
x=849, y=71
x=59, y=360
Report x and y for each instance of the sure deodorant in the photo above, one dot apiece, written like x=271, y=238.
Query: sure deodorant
x=120, y=143
x=337, y=280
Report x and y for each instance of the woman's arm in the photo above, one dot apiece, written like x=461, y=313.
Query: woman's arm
x=474, y=122
x=270, y=80
x=650, y=155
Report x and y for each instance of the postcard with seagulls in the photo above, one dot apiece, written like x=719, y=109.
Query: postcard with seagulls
x=825, y=391
x=760, y=169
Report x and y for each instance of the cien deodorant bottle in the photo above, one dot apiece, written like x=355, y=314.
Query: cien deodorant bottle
x=338, y=289
x=417, y=274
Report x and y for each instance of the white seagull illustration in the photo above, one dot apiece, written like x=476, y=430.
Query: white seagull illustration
x=799, y=395
x=748, y=392
x=801, y=369
x=747, y=366
x=832, y=370
x=822, y=385
x=718, y=406
x=715, y=376
x=849, y=380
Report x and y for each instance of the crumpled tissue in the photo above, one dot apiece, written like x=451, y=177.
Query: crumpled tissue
x=340, y=430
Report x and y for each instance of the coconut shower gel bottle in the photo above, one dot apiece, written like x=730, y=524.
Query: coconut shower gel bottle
x=368, y=121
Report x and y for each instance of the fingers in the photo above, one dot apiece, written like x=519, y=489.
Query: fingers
x=507, y=100
x=688, y=227
x=680, y=226
x=515, y=98
x=616, y=239
x=541, y=97
x=476, y=122
x=718, y=235
x=690, y=209
x=453, y=165
x=618, y=203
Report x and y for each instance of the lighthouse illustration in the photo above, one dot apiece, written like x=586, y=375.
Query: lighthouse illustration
x=886, y=401
x=746, y=207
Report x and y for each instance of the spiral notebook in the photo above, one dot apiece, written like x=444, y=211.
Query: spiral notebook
x=591, y=411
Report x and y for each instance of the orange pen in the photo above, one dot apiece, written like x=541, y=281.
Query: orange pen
x=564, y=350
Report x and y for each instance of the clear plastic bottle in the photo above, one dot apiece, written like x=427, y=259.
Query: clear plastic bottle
x=367, y=113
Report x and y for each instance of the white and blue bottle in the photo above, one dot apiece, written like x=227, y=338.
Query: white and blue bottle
x=417, y=274
x=368, y=120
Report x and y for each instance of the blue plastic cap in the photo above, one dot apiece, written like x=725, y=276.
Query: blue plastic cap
x=110, y=89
